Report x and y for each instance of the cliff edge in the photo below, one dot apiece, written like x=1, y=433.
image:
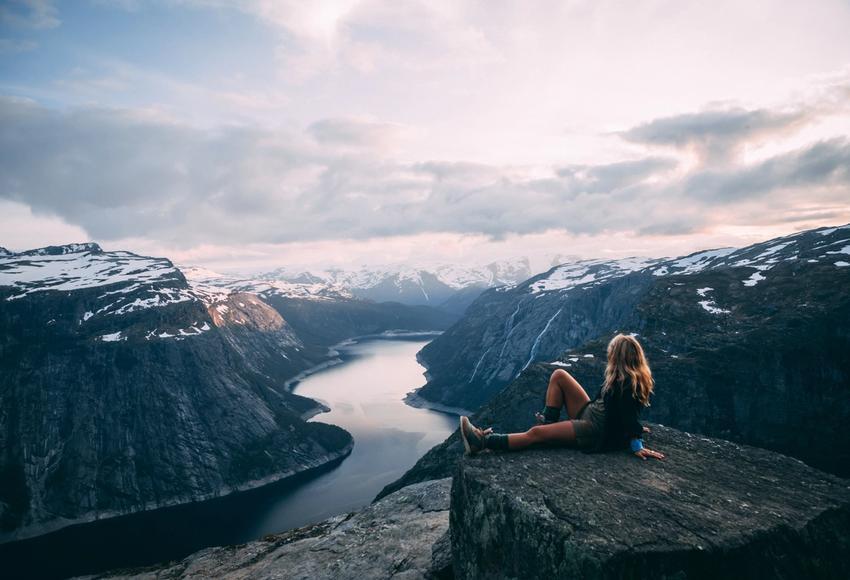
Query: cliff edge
x=712, y=509
x=403, y=537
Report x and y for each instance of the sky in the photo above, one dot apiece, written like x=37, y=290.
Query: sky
x=243, y=135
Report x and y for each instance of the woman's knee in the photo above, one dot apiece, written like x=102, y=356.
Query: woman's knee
x=536, y=433
x=559, y=374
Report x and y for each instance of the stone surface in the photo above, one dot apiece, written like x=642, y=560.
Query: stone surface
x=402, y=536
x=712, y=509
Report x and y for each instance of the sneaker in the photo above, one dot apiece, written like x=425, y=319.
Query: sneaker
x=471, y=441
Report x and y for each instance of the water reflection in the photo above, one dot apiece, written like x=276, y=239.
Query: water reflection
x=365, y=396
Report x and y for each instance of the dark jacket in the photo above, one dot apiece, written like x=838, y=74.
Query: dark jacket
x=621, y=416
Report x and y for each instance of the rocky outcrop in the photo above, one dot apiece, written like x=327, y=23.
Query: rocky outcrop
x=712, y=509
x=403, y=536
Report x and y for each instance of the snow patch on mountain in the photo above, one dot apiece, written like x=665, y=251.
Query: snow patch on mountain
x=587, y=272
x=754, y=279
x=131, y=282
x=213, y=287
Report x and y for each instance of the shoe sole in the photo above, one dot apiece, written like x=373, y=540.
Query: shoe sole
x=463, y=422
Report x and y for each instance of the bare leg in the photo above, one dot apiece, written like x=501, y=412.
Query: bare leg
x=561, y=432
x=564, y=390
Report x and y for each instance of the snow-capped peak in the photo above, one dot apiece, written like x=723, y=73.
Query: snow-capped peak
x=213, y=287
x=759, y=257
x=452, y=275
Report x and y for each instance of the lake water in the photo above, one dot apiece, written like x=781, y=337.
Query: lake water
x=365, y=395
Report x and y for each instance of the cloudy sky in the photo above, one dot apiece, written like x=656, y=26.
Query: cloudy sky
x=248, y=134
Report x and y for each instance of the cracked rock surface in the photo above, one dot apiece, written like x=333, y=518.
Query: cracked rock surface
x=712, y=509
x=401, y=537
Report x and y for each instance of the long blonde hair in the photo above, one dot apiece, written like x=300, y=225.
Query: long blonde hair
x=626, y=360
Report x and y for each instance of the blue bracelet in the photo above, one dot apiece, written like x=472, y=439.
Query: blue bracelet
x=636, y=445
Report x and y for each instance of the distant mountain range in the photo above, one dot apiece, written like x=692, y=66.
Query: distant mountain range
x=449, y=287
x=126, y=387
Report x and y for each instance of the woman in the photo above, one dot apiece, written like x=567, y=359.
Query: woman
x=610, y=421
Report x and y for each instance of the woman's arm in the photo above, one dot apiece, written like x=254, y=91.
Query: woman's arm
x=635, y=430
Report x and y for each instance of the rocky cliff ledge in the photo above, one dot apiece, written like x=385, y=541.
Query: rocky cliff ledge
x=403, y=536
x=713, y=509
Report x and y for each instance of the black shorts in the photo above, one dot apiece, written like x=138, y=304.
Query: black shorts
x=589, y=425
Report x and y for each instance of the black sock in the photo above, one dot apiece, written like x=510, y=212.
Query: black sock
x=551, y=414
x=497, y=441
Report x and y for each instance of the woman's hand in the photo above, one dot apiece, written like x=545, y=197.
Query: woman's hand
x=647, y=430
x=647, y=453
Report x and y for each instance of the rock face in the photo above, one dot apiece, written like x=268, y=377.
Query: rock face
x=713, y=509
x=403, y=536
x=507, y=329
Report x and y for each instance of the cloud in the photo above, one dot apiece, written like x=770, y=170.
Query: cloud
x=822, y=164
x=612, y=176
x=128, y=174
x=38, y=14
x=717, y=135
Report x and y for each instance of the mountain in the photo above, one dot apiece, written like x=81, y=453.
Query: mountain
x=124, y=387
x=322, y=313
x=449, y=287
x=506, y=329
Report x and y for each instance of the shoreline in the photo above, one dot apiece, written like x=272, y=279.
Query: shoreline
x=413, y=399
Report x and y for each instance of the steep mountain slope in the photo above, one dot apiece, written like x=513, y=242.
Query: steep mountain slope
x=507, y=329
x=122, y=390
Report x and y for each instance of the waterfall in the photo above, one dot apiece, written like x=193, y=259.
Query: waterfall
x=537, y=341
